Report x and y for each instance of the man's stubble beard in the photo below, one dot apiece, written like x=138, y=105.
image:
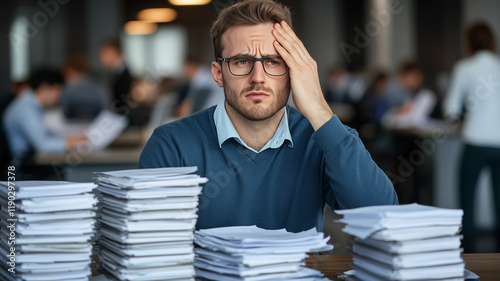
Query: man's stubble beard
x=257, y=113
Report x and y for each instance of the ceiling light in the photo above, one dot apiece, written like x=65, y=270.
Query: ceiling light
x=140, y=27
x=189, y=2
x=157, y=15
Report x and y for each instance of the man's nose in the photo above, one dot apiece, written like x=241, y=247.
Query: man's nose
x=258, y=75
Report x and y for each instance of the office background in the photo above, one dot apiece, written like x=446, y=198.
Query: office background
x=359, y=35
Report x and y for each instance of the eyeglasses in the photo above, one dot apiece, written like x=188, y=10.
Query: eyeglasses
x=242, y=65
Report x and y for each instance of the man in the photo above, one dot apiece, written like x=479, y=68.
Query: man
x=412, y=104
x=121, y=81
x=23, y=121
x=81, y=97
x=475, y=87
x=268, y=164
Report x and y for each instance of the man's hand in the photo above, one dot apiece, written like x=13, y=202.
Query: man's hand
x=73, y=141
x=304, y=79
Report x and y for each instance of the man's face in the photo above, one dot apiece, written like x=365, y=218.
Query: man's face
x=49, y=95
x=412, y=80
x=256, y=96
x=108, y=56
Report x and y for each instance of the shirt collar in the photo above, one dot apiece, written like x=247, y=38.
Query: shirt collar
x=225, y=130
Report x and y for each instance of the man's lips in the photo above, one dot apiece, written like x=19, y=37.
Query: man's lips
x=256, y=95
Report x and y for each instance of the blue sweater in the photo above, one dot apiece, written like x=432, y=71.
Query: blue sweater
x=286, y=187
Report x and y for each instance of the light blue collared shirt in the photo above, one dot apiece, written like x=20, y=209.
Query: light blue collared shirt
x=226, y=130
x=25, y=128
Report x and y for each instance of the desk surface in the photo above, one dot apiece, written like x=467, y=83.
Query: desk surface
x=486, y=266
x=125, y=149
x=107, y=156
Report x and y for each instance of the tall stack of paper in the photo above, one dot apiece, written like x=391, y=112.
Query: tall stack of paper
x=250, y=253
x=147, y=222
x=47, y=236
x=407, y=242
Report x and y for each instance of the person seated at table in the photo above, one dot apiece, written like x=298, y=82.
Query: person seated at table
x=268, y=164
x=23, y=121
x=81, y=97
x=411, y=103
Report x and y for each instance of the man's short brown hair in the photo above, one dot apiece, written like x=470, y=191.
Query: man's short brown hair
x=248, y=12
x=76, y=62
x=408, y=66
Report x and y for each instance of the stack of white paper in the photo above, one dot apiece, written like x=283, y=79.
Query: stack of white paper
x=147, y=221
x=250, y=253
x=47, y=236
x=407, y=242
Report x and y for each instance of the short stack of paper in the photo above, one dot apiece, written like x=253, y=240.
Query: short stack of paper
x=407, y=242
x=47, y=236
x=147, y=223
x=250, y=253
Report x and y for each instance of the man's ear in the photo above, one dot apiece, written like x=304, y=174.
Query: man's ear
x=217, y=73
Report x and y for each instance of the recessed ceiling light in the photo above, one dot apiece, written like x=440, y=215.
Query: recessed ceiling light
x=189, y=2
x=140, y=27
x=157, y=15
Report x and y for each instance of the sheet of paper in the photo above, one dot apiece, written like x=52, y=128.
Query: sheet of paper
x=105, y=128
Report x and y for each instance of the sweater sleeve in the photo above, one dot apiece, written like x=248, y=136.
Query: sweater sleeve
x=355, y=179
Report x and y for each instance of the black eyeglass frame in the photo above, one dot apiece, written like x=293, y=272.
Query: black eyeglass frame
x=253, y=64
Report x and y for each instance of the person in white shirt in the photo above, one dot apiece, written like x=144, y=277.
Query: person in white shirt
x=411, y=103
x=475, y=91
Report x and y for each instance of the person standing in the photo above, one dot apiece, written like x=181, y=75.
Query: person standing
x=120, y=81
x=475, y=87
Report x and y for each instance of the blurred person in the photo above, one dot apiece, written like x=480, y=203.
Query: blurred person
x=475, y=88
x=17, y=89
x=339, y=84
x=410, y=103
x=268, y=164
x=411, y=106
x=82, y=98
x=374, y=105
x=23, y=121
x=112, y=59
x=201, y=92
x=369, y=112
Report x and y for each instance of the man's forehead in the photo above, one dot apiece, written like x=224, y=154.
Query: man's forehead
x=248, y=38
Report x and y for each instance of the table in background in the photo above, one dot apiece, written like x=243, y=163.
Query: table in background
x=486, y=266
x=122, y=154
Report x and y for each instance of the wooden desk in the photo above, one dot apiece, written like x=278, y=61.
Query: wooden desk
x=486, y=266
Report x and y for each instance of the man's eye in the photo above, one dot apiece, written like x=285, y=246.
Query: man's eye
x=242, y=62
x=274, y=62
